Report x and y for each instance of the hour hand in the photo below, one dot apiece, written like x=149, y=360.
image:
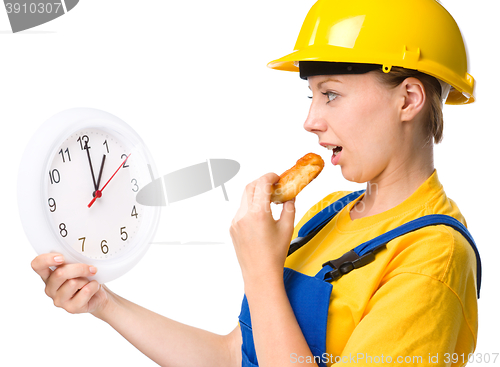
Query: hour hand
x=100, y=173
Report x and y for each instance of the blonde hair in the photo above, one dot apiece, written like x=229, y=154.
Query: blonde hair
x=432, y=89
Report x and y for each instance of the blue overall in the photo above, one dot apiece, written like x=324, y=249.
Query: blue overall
x=310, y=296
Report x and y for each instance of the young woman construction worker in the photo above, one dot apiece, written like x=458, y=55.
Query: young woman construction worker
x=386, y=275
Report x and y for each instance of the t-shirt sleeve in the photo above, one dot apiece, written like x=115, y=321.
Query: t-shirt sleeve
x=412, y=319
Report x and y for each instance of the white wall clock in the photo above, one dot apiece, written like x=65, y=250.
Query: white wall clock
x=77, y=187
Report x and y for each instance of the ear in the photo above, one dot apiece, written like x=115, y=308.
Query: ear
x=414, y=97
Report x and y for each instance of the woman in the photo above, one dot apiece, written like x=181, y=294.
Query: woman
x=410, y=300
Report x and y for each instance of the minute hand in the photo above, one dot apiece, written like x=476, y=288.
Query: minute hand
x=98, y=193
x=90, y=164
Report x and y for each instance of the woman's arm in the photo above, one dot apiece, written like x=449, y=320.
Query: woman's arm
x=261, y=244
x=165, y=341
x=168, y=342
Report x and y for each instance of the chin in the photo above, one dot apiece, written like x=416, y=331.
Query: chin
x=357, y=174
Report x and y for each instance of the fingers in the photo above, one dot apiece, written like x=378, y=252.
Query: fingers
x=82, y=298
x=248, y=194
x=42, y=263
x=287, y=216
x=67, y=285
x=257, y=196
x=67, y=272
x=75, y=294
x=246, y=200
x=68, y=290
x=262, y=195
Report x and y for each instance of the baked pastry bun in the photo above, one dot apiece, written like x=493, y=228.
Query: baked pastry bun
x=292, y=181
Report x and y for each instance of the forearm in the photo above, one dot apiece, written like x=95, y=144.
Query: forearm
x=165, y=341
x=277, y=335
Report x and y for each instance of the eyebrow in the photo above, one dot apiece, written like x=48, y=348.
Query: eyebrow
x=325, y=81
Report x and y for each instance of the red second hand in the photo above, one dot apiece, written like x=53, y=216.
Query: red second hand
x=98, y=193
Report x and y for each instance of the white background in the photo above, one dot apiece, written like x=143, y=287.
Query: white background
x=191, y=78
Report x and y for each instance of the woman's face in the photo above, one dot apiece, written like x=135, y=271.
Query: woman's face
x=359, y=114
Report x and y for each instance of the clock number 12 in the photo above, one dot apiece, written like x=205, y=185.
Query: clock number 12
x=84, y=142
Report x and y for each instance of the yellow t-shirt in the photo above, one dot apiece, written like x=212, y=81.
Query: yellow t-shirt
x=416, y=303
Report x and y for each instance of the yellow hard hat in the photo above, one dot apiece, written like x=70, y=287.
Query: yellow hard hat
x=413, y=34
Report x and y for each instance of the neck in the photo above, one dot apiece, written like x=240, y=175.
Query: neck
x=395, y=184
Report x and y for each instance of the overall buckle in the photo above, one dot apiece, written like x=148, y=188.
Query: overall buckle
x=347, y=263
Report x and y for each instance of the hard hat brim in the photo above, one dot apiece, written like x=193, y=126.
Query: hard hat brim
x=462, y=91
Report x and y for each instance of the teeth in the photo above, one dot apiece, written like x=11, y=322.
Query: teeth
x=331, y=147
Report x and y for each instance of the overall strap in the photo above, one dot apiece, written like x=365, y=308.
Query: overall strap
x=321, y=219
x=365, y=253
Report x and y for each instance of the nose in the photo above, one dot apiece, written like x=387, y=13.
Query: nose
x=315, y=122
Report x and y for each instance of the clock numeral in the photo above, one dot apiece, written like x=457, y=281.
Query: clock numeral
x=83, y=243
x=84, y=141
x=52, y=204
x=54, y=176
x=106, y=144
x=122, y=232
x=125, y=165
x=62, y=155
x=104, y=248
x=136, y=187
x=134, y=212
x=62, y=230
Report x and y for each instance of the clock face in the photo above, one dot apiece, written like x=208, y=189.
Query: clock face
x=83, y=163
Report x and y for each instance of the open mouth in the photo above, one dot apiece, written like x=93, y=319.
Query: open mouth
x=335, y=148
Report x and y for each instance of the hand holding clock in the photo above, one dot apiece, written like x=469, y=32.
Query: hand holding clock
x=68, y=286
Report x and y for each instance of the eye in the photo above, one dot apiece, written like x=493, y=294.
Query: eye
x=331, y=96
